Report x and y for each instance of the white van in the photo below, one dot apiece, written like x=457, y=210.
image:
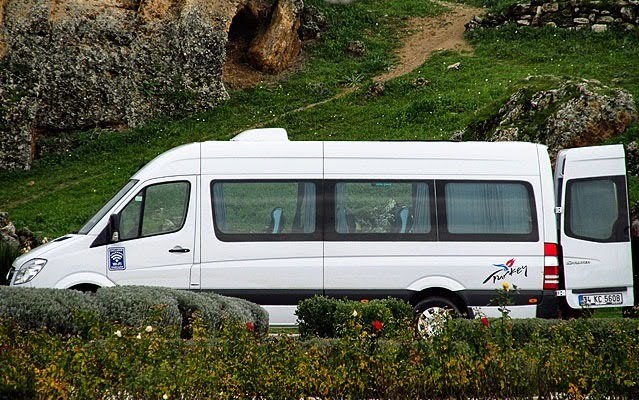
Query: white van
x=438, y=224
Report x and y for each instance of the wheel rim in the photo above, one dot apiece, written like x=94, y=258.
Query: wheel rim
x=431, y=321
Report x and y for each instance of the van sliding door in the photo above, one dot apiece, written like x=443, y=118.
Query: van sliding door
x=594, y=227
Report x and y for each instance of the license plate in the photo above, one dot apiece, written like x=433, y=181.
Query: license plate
x=600, y=299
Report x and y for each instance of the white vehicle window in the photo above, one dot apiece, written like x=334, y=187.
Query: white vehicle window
x=389, y=207
x=276, y=210
x=489, y=208
x=107, y=207
x=155, y=210
x=596, y=209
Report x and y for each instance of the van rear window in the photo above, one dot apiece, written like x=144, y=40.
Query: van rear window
x=596, y=209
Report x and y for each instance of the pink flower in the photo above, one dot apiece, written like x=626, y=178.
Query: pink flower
x=485, y=321
x=250, y=326
x=377, y=326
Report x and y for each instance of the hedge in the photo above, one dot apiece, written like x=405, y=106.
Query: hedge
x=566, y=359
x=63, y=311
x=330, y=318
x=73, y=312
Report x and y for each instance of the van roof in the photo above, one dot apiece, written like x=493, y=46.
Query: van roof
x=226, y=158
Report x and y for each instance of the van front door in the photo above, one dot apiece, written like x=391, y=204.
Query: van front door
x=594, y=226
x=157, y=235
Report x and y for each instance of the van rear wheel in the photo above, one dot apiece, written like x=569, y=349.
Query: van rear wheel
x=432, y=313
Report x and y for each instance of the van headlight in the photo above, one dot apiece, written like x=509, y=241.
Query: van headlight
x=29, y=270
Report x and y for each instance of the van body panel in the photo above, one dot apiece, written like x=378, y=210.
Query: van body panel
x=262, y=160
x=394, y=265
x=68, y=263
x=547, y=197
x=179, y=161
x=594, y=227
x=275, y=272
x=91, y=278
x=429, y=159
x=415, y=266
x=163, y=259
x=40, y=251
x=435, y=281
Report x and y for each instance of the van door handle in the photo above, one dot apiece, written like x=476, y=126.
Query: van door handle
x=179, y=249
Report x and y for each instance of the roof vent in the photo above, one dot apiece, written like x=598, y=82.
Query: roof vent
x=262, y=135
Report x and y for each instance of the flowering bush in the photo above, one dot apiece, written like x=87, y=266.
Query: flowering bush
x=328, y=317
x=560, y=359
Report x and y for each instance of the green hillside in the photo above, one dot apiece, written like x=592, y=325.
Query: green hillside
x=63, y=190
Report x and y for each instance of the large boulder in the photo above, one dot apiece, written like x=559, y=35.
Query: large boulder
x=276, y=47
x=566, y=114
x=80, y=64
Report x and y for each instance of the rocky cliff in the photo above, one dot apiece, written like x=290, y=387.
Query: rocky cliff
x=77, y=64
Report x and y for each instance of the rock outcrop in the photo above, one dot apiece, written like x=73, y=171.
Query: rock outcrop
x=567, y=114
x=276, y=47
x=595, y=15
x=79, y=64
x=22, y=239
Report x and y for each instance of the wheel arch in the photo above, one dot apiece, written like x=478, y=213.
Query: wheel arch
x=84, y=279
x=434, y=292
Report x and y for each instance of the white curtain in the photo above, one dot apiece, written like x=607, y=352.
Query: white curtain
x=309, y=208
x=341, y=224
x=220, y=207
x=492, y=208
x=421, y=207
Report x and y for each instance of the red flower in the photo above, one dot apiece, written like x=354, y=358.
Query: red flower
x=485, y=321
x=377, y=326
x=250, y=326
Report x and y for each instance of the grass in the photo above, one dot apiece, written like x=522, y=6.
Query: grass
x=62, y=191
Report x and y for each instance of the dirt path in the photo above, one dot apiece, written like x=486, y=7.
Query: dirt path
x=425, y=35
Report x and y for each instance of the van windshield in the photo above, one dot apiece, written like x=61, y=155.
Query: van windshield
x=98, y=216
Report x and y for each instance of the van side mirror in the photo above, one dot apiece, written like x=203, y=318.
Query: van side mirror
x=114, y=228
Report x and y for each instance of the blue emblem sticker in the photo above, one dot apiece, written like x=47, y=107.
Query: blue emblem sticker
x=116, y=258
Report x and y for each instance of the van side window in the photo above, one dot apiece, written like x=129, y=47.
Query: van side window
x=155, y=210
x=487, y=211
x=382, y=210
x=596, y=209
x=265, y=210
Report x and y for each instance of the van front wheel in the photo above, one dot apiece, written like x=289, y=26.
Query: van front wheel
x=432, y=313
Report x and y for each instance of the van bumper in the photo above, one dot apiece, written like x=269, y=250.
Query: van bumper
x=549, y=306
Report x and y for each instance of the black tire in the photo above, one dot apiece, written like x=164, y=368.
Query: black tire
x=429, y=310
x=85, y=288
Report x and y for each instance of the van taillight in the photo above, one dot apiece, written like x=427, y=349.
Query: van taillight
x=551, y=266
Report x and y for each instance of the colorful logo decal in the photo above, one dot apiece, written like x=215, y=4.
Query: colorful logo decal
x=117, y=259
x=505, y=270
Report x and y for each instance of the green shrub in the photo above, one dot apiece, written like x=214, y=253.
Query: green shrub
x=316, y=317
x=174, y=311
x=212, y=310
x=250, y=311
x=139, y=306
x=327, y=317
x=63, y=311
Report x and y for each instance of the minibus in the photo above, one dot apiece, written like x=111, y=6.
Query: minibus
x=441, y=225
